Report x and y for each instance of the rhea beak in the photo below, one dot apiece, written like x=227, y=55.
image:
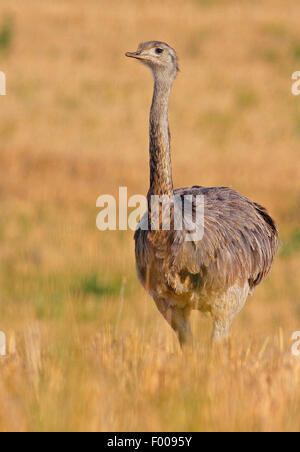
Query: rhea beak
x=133, y=55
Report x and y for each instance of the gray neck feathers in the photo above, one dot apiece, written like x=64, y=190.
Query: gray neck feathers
x=161, y=182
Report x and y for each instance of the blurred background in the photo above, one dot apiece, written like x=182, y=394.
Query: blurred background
x=87, y=350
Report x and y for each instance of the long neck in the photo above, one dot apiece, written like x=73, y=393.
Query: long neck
x=161, y=182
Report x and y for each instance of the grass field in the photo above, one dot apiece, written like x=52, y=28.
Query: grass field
x=87, y=350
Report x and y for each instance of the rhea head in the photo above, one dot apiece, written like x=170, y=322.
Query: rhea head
x=159, y=57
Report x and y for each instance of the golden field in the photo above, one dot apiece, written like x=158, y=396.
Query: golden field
x=87, y=349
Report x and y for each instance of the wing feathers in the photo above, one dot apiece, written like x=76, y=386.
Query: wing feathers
x=239, y=242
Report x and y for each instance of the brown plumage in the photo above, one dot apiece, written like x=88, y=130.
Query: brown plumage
x=214, y=274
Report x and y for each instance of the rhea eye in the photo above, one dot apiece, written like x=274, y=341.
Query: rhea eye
x=158, y=50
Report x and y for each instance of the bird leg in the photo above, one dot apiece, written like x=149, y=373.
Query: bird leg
x=178, y=319
x=221, y=330
x=225, y=309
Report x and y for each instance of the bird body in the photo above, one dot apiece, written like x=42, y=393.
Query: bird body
x=216, y=273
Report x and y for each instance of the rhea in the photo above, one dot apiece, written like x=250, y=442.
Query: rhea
x=215, y=274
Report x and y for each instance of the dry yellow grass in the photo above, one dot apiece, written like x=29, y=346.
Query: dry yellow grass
x=86, y=348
